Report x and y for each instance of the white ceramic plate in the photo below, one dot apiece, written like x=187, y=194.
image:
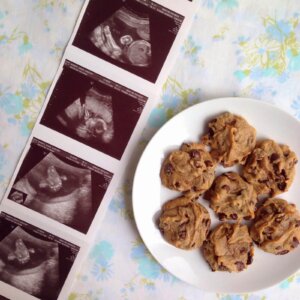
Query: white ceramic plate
x=149, y=195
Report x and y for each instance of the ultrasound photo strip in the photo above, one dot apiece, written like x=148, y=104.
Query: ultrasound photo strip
x=60, y=186
x=93, y=110
x=86, y=115
x=32, y=260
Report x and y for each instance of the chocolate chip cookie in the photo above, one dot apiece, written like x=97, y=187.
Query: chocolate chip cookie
x=184, y=223
x=232, y=198
x=229, y=247
x=231, y=139
x=276, y=228
x=270, y=168
x=189, y=169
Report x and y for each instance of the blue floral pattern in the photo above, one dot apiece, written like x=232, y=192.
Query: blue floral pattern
x=101, y=255
x=241, y=48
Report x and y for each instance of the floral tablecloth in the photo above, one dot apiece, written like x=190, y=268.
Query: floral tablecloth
x=235, y=48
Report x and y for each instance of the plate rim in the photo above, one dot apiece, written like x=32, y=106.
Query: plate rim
x=138, y=166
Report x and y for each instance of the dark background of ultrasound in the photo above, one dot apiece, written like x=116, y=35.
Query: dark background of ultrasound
x=161, y=33
x=66, y=257
x=36, y=154
x=72, y=85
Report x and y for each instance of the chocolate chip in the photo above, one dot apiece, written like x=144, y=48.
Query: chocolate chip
x=296, y=161
x=221, y=216
x=281, y=186
x=197, y=164
x=263, y=180
x=264, y=212
x=226, y=188
x=297, y=223
x=243, y=250
x=272, y=192
x=295, y=242
x=274, y=208
x=208, y=163
x=208, y=195
x=283, y=173
x=240, y=265
x=177, y=184
x=239, y=193
x=276, y=169
x=210, y=132
x=195, y=154
x=282, y=252
x=274, y=157
x=185, y=145
x=206, y=222
x=233, y=122
x=268, y=230
x=169, y=169
x=182, y=234
x=223, y=268
x=233, y=216
x=249, y=259
x=228, y=232
x=281, y=178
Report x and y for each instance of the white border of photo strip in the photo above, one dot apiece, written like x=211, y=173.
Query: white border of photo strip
x=185, y=8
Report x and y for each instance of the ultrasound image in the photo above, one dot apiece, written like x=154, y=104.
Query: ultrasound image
x=93, y=110
x=55, y=189
x=90, y=117
x=52, y=184
x=30, y=264
x=135, y=35
x=125, y=37
x=33, y=260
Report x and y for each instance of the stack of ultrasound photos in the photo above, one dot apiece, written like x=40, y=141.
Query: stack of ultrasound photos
x=112, y=71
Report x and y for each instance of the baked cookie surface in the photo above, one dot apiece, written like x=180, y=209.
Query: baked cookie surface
x=189, y=169
x=231, y=139
x=276, y=228
x=184, y=223
x=232, y=198
x=270, y=168
x=229, y=247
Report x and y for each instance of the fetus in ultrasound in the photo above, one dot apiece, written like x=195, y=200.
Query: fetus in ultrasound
x=125, y=37
x=30, y=264
x=90, y=117
x=21, y=254
x=57, y=189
